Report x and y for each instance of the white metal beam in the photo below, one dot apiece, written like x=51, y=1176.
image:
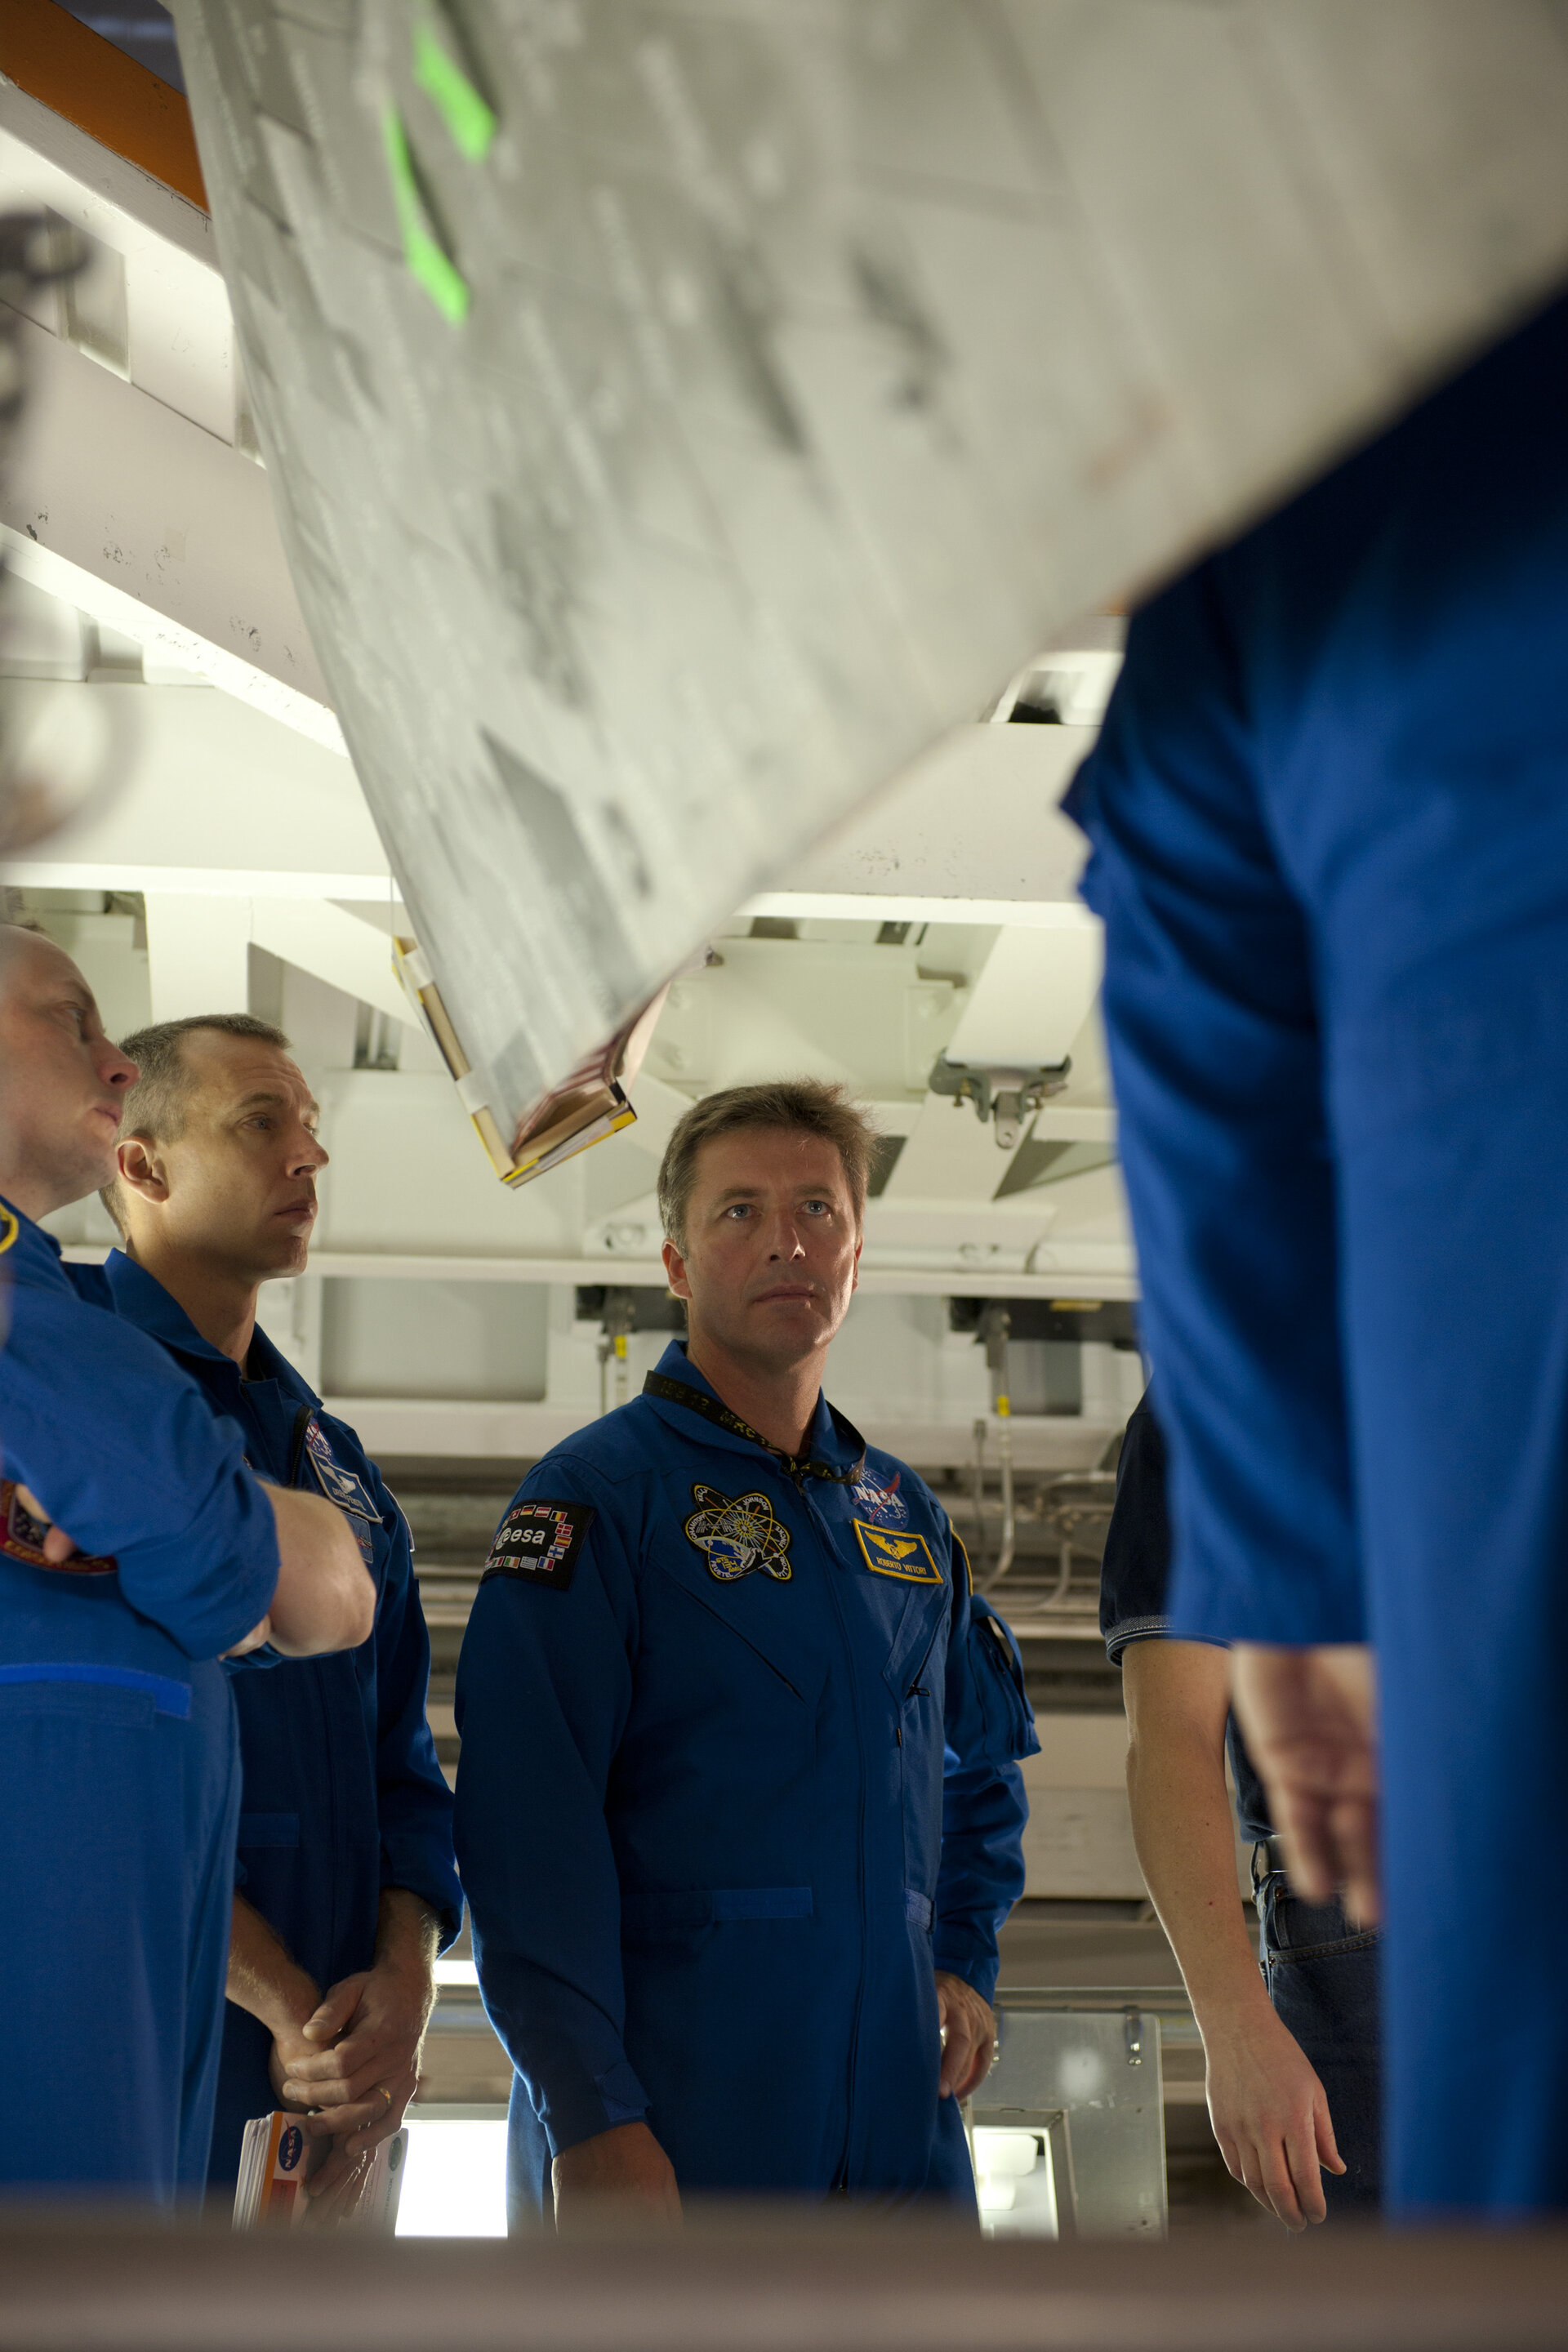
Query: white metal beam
x=154, y=526
x=334, y=945
x=210, y=796
x=1031, y=999
x=198, y=953
x=1112, y=1280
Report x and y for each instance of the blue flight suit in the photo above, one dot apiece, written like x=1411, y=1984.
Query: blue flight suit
x=1321, y=1968
x=1329, y=818
x=118, y=1754
x=737, y=1777
x=342, y=1792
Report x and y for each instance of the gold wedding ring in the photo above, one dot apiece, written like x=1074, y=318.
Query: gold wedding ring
x=385, y=2094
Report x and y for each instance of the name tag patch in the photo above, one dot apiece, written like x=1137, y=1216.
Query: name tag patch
x=539, y=1543
x=887, y=1554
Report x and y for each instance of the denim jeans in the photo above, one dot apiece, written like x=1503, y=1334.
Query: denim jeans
x=1322, y=1978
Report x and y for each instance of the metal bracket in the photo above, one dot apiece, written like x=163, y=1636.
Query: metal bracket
x=1008, y=1095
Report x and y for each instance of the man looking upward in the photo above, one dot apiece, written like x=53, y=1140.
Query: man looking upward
x=347, y=1882
x=738, y=1811
x=116, y=1742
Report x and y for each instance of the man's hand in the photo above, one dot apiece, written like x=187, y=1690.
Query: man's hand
x=256, y=1639
x=1310, y=1720
x=1270, y=2116
x=58, y=1546
x=623, y=2165
x=968, y=2036
x=357, y=2064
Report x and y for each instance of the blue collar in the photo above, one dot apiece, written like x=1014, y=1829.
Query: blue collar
x=141, y=1299
x=28, y=1256
x=835, y=1448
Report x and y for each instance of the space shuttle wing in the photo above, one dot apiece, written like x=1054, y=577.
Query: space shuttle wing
x=679, y=417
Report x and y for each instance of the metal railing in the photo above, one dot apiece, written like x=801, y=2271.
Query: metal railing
x=758, y=2282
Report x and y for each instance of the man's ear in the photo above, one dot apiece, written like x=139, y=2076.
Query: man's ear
x=675, y=1271
x=855, y=1269
x=141, y=1167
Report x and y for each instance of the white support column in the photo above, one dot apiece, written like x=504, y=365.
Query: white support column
x=199, y=955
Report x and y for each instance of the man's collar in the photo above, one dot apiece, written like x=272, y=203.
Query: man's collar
x=141, y=1299
x=26, y=1250
x=834, y=1447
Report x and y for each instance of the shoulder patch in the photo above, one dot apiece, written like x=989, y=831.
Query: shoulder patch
x=889, y=1554
x=539, y=1543
x=343, y=1487
x=21, y=1537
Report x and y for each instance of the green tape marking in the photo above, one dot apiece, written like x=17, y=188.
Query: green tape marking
x=427, y=262
x=468, y=119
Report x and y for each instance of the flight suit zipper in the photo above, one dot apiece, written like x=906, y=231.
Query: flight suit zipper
x=841, y=2185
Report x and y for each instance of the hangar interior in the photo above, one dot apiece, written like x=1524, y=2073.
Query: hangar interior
x=223, y=856
x=462, y=1328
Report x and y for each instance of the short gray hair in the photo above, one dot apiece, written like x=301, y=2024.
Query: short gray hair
x=155, y=1105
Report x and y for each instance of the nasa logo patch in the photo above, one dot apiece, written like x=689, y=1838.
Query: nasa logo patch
x=884, y=1504
x=538, y=1543
x=290, y=2148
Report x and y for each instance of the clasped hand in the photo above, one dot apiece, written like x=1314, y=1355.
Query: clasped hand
x=354, y=2064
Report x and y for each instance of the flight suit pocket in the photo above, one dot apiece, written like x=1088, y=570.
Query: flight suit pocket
x=120, y=1709
x=653, y=1916
x=102, y=1692
x=1006, y=1717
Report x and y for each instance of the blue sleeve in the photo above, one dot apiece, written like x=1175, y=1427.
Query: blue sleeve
x=1136, y=1567
x=988, y=1726
x=413, y=1804
x=544, y=1689
x=1212, y=1027
x=124, y=1452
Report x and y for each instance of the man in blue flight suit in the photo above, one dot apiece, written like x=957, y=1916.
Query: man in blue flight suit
x=739, y=1812
x=347, y=1882
x=1293, y=2073
x=117, y=1741
x=1330, y=835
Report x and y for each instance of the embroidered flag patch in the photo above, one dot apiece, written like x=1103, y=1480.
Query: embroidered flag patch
x=897, y=1555
x=539, y=1543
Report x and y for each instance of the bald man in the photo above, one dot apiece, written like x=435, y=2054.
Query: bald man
x=136, y=1550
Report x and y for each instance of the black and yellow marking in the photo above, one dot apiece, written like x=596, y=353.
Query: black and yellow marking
x=887, y=1553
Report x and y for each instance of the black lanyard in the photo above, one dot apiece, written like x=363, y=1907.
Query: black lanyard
x=795, y=1465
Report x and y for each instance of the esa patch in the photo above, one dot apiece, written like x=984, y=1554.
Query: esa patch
x=539, y=1543
x=897, y=1555
x=737, y=1534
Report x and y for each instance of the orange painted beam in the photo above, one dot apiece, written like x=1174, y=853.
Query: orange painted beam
x=77, y=73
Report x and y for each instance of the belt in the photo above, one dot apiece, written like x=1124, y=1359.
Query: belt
x=1268, y=1862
